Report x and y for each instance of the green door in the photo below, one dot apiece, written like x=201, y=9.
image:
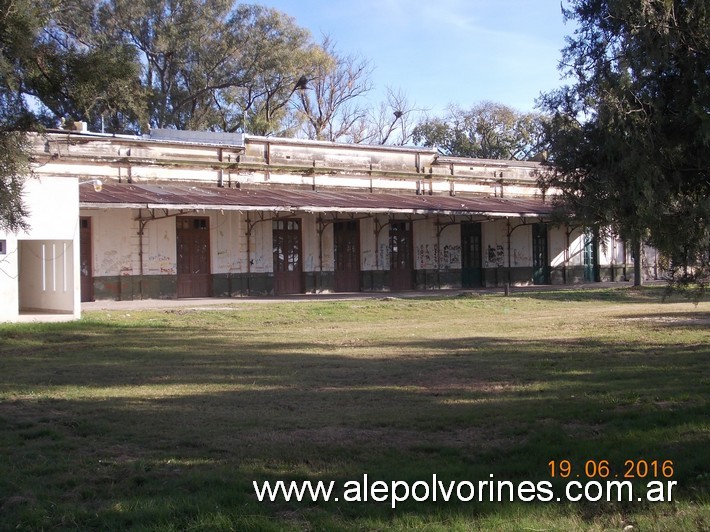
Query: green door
x=541, y=267
x=590, y=257
x=471, y=256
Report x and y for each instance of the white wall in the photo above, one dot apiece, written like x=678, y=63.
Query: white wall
x=228, y=244
x=9, y=296
x=38, y=271
x=114, y=236
x=46, y=280
x=53, y=207
x=557, y=242
x=520, y=245
x=494, y=243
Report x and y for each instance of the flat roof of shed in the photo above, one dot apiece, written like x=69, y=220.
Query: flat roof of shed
x=185, y=197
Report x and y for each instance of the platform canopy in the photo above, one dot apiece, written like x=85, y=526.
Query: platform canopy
x=194, y=198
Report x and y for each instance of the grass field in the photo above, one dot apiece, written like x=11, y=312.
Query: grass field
x=161, y=420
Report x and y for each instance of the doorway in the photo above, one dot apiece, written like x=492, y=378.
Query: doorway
x=541, y=268
x=86, y=259
x=401, y=252
x=471, y=256
x=194, y=278
x=346, y=241
x=288, y=269
x=590, y=257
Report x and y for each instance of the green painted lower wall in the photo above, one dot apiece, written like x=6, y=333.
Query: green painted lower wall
x=130, y=287
x=125, y=288
x=241, y=285
x=375, y=280
x=437, y=279
x=319, y=282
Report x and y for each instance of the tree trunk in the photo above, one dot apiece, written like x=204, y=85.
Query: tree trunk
x=638, y=278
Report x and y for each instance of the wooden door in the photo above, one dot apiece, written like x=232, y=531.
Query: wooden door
x=401, y=256
x=288, y=269
x=471, y=255
x=86, y=259
x=346, y=238
x=194, y=278
x=541, y=267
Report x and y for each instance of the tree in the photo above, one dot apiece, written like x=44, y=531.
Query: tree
x=19, y=24
x=48, y=72
x=328, y=102
x=14, y=167
x=392, y=121
x=284, y=58
x=212, y=64
x=71, y=72
x=488, y=130
x=630, y=139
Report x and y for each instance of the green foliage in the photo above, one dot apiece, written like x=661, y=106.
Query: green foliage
x=487, y=130
x=14, y=167
x=211, y=64
x=99, y=86
x=19, y=23
x=47, y=72
x=125, y=65
x=631, y=138
x=52, y=55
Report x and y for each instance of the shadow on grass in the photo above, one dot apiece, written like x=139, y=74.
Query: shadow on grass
x=624, y=294
x=113, y=426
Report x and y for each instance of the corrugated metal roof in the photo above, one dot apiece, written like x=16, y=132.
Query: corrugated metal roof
x=288, y=199
x=198, y=137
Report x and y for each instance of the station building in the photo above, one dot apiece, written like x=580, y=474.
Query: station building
x=180, y=214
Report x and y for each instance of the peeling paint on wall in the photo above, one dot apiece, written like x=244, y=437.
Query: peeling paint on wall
x=384, y=256
x=519, y=258
x=310, y=264
x=367, y=261
x=112, y=263
x=259, y=264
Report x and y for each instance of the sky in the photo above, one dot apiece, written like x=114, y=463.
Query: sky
x=440, y=52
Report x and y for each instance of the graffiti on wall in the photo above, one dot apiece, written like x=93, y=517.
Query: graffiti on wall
x=112, y=263
x=228, y=262
x=161, y=264
x=423, y=255
x=452, y=256
x=259, y=264
x=495, y=256
x=431, y=256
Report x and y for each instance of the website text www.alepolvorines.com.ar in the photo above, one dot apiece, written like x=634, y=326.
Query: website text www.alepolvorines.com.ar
x=436, y=490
